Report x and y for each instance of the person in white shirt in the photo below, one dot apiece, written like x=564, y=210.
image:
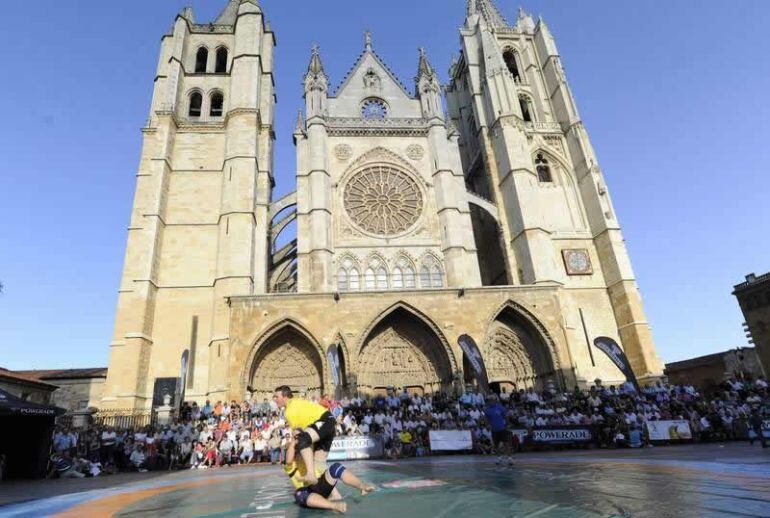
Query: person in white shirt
x=137, y=458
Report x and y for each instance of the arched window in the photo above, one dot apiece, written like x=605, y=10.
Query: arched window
x=354, y=282
x=409, y=277
x=196, y=102
x=543, y=169
x=221, y=64
x=509, y=57
x=526, y=111
x=342, y=280
x=397, y=280
x=424, y=277
x=382, y=278
x=217, y=103
x=369, y=280
x=437, y=278
x=201, y=60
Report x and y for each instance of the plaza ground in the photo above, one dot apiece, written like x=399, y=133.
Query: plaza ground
x=691, y=480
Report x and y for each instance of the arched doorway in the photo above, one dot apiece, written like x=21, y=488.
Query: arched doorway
x=516, y=355
x=402, y=351
x=287, y=357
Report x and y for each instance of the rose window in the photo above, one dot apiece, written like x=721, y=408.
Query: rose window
x=374, y=109
x=383, y=200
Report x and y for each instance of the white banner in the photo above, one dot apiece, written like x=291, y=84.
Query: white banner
x=356, y=447
x=450, y=440
x=561, y=435
x=674, y=430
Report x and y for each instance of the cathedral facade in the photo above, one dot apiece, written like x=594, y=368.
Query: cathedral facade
x=422, y=214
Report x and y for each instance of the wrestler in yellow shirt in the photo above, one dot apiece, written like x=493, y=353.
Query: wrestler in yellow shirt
x=301, y=413
x=297, y=471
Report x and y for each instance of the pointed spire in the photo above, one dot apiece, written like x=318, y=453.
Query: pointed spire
x=488, y=11
x=315, y=67
x=229, y=14
x=187, y=13
x=525, y=23
x=299, y=126
x=368, y=40
x=424, y=68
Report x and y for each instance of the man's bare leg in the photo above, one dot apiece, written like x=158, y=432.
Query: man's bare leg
x=349, y=478
x=316, y=501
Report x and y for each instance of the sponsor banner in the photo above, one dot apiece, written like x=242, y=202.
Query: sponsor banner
x=185, y=363
x=521, y=433
x=450, y=440
x=334, y=364
x=611, y=348
x=353, y=448
x=673, y=430
x=561, y=435
x=471, y=350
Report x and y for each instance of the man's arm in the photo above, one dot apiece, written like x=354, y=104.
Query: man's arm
x=290, y=450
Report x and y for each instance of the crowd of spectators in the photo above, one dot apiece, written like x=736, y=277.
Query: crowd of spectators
x=226, y=434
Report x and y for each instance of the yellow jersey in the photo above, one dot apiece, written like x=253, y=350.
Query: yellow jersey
x=301, y=413
x=297, y=471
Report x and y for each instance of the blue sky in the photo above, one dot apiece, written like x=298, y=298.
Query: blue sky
x=673, y=94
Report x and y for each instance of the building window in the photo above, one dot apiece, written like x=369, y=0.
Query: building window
x=221, y=64
x=217, y=104
x=374, y=109
x=369, y=282
x=437, y=278
x=509, y=57
x=196, y=103
x=424, y=277
x=201, y=60
x=543, y=169
x=526, y=109
x=409, y=278
x=382, y=279
x=354, y=283
x=397, y=281
x=348, y=278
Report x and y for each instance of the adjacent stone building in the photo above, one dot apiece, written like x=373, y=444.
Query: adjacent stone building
x=710, y=371
x=754, y=298
x=422, y=214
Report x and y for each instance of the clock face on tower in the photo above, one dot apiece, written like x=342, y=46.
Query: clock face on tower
x=577, y=261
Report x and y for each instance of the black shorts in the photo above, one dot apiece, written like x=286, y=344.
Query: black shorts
x=322, y=487
x=325, y=427
x=502, y=436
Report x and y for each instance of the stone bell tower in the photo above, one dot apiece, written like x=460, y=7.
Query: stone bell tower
x=524, y=148
x=199, y=223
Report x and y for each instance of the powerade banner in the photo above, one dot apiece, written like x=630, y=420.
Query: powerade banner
x=353, y=448
x=334, y=364
x=561, y=435
x=611, y=348
x=471, y=350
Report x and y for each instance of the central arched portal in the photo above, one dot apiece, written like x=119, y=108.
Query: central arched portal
x=402, y=351
x=517, y=356
x=287, y=357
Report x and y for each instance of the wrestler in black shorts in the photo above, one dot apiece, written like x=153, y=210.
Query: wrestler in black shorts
x=325, y=427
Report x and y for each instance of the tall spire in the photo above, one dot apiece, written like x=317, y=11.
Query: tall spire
x=488, y=11
x=315, y=67
x=423, y=67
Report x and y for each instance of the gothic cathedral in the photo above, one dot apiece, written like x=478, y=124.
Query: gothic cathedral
x=422, y=214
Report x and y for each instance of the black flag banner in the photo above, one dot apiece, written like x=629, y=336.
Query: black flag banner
x=611, y=348
x=471, y=350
